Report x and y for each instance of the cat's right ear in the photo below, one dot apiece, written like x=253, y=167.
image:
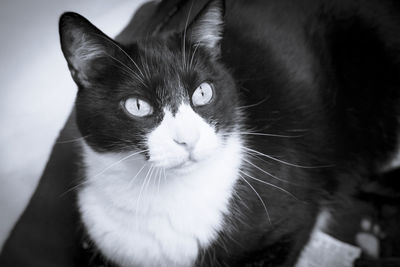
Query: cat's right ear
x=82, y=43
x=206, y=29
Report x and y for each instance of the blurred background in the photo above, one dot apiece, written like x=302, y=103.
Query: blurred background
x=37, y=92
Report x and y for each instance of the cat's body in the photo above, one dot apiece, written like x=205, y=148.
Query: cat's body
x=227, y=168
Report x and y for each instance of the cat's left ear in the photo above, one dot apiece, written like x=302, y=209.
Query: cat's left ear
x=207, y=28
x=82, y=43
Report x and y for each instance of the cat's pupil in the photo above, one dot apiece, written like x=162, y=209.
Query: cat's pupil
x=138, y=104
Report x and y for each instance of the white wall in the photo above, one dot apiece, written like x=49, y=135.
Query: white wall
x=37, y=92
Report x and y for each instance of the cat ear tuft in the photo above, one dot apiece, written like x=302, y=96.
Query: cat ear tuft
x=207, y=28
x=81, y=43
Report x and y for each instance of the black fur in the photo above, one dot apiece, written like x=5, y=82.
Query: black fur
x=330, y=76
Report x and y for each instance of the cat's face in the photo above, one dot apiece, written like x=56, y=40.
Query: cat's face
x=167, y=97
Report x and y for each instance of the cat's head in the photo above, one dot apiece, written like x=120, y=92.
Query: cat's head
x=169, y=96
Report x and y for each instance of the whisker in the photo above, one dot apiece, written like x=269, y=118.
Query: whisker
x=285, y=162
x=122, y=50
x=128, y=68
x=266, y=183
x=119, y=161
x=159, y=180
x=156, y=173
x=146, y=68
x=265, y=134
x=87, y=180
x=141, y=190
x=74, y=187
x=73, y=140
x=184, y=63
x=254, y=105
x=241, y=199
x=137, y=174
x=165, y=176
x=264, y=171
x=194, y=52
x=150, y=178
x=259, y=197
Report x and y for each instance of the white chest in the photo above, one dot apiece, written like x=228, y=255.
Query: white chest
x=155, y=218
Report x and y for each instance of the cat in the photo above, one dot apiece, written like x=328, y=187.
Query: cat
x=164, y=123
x=188, y=163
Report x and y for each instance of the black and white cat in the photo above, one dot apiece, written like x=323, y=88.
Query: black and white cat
x=162, y=152
x=185, y=167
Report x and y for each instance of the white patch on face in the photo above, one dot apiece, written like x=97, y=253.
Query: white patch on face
x=183, y=139
x=161, y=212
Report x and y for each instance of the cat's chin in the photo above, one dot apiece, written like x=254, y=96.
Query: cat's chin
x=184, y=167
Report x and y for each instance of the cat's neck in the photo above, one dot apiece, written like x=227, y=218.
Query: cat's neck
x=163, y=215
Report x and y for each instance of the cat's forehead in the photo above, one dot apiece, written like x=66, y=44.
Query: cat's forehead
x=172, y=94
x=169, y=71
x=166, y=49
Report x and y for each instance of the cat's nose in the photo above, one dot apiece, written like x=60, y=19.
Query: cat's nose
x=184, y=144
x=187, y=138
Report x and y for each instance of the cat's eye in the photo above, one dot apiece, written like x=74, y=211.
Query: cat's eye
x=138, y=107
x=202, y=95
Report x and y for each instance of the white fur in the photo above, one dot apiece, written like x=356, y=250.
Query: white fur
x=155, y=221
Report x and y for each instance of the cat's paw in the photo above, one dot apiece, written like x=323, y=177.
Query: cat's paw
x=368, y=239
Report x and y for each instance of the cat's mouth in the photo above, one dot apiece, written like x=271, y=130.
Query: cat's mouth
x=184, y=165
x=181, y=165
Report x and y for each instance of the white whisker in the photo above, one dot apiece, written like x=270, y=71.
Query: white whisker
x=159, y=180
x=151, y=176
x=123, y=51
x=141, y=190
x=266, y=134
x=165, y=176
x=128, y=68
x=253, y=105
x=119, y=161
x=259, y=197
x=137, y=174
x=146, y=68
x=74, y=187
x=184, y=63
x=73, y=140
x=156, y=173
x=264, y=171
x=88, y=179
x=284, y=162
x=270, y=184
x=194, y=52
